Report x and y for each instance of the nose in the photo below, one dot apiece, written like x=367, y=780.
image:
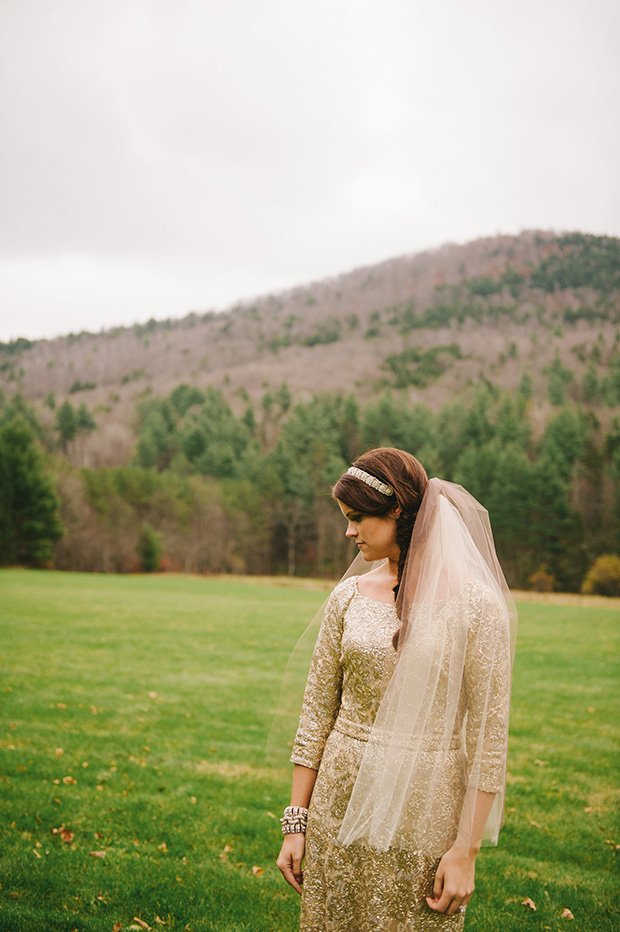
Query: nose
x=350, y=531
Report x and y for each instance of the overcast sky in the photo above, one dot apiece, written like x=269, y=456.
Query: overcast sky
x=162, y=156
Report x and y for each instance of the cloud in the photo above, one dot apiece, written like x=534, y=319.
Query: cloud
x=250, y=144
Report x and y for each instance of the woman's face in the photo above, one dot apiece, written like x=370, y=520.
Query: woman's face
x=374, y=536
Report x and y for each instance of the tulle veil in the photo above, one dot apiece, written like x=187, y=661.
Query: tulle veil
x=454, y=604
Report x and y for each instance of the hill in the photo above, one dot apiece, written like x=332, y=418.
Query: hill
x=430, y=326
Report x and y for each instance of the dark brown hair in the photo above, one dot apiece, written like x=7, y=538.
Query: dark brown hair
x=404, y=474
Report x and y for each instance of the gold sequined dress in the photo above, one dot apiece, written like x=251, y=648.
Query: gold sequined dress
x=357, y=888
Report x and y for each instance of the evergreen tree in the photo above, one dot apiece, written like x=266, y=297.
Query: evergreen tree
x=525, y=388
x=590, y=384
x=84, y=421
x=388, y=423
x=29, y=522
x=19, y=407
x=149, y=549
x=183, y=397
x=283, y=397
x=564, y=440
x=559, y=377
x=510, y=424
x=66, y=424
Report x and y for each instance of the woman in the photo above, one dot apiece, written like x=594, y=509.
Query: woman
x=400, y=753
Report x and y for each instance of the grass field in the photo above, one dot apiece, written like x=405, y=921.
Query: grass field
x=134, y=786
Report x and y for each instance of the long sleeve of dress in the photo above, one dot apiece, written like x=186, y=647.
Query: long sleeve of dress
x=323, y=689
x=487, y=687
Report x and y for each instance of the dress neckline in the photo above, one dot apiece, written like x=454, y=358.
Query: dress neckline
x=370, y=598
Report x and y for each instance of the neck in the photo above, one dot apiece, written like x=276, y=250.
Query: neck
x=393, y=569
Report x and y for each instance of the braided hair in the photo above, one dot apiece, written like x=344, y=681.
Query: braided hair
x=407, y=478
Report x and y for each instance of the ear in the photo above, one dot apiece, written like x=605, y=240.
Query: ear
x=397, y=511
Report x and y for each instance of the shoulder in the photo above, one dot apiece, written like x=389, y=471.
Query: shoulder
x=485, y=607
x=345, y=589
x=342, y=594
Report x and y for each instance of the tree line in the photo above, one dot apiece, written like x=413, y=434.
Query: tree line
x=211, y=490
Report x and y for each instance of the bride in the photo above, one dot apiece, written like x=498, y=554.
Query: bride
x=400, y=753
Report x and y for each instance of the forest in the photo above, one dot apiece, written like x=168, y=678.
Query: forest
x=497, y=364
x=208, y=491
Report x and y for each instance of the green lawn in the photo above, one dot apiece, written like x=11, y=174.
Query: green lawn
x=134, y=713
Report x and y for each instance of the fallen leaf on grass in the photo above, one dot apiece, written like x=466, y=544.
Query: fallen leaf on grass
x=69, y=781
x=36, y=853
x=193, y=800
x=117, y=927
x=612, y=844
x=61, y=705
x=65, y=833
x=140, y=923
x=59, y=751
x=566, y=914
x=541, y=763
x=271, y=815
x=97, y=854
x=258, y=871
x=223, y=855
x=529, y=903
x=160, y=922
x=152, y=695
x=162, y=847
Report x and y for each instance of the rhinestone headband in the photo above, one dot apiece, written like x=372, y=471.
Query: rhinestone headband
x=370, y=480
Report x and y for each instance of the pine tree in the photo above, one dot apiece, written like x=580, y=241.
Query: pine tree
x=66, y=424
x=29, y=522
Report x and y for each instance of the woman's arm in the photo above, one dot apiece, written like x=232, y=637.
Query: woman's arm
x=293, y=847
x=487, y=688
x=318, y=714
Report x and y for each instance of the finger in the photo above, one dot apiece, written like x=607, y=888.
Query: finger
x=295, y=884
x=438, y=883
x=290, y=877
x=440, y=904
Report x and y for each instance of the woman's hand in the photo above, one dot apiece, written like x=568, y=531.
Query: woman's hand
x=290, y=859
x=454, y=881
